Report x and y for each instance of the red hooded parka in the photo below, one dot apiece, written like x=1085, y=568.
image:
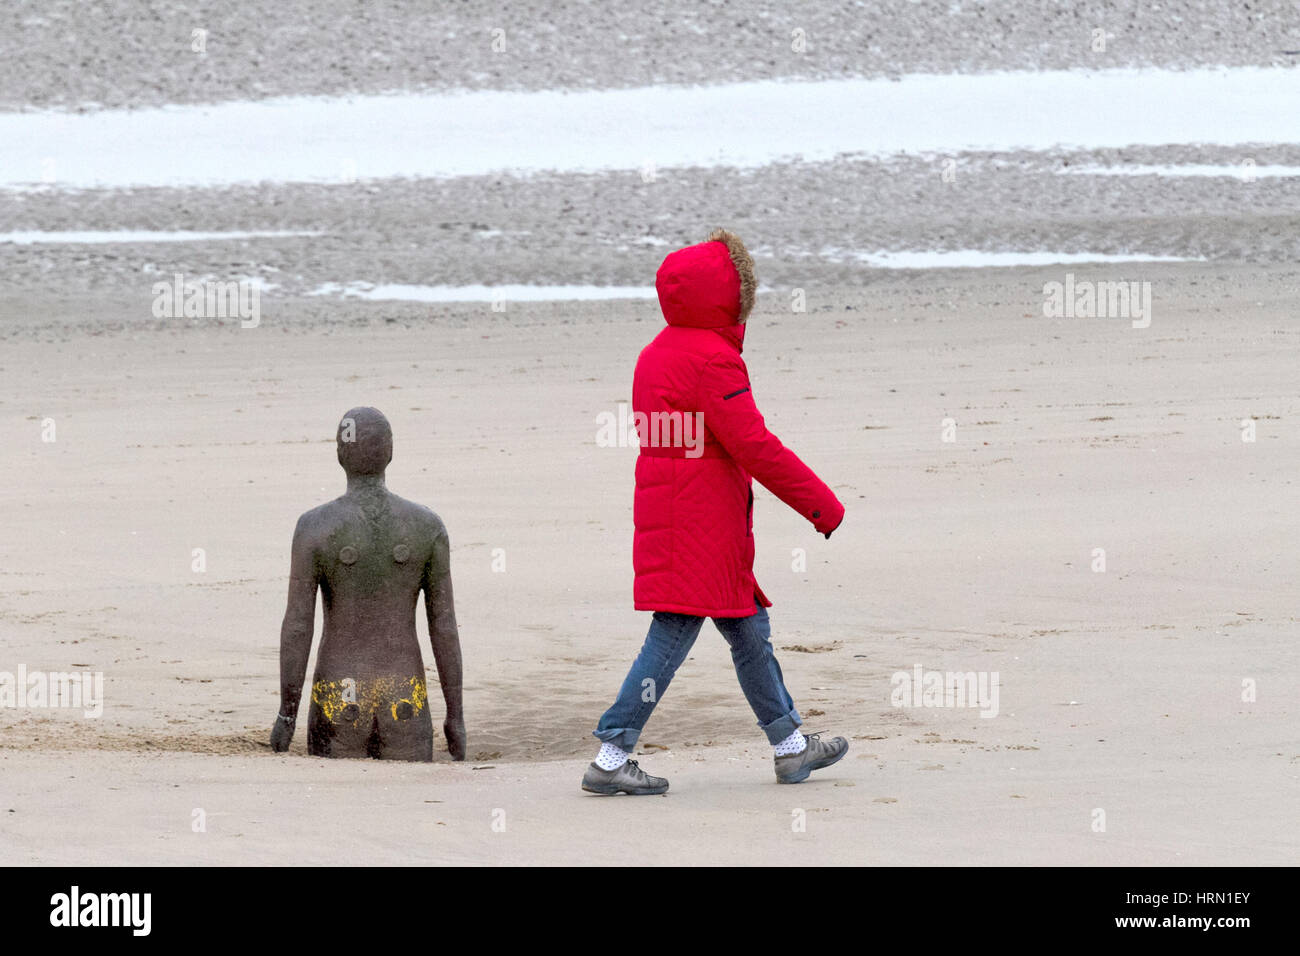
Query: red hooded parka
x=693, y=550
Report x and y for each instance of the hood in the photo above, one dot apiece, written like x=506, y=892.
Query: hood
x=708, y=286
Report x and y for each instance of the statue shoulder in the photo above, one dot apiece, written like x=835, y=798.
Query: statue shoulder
x=317, y=524
x=421, y=517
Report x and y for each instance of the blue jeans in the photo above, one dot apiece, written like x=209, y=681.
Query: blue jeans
x=666, y=646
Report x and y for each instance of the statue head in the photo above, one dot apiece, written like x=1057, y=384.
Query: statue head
x=365, y=442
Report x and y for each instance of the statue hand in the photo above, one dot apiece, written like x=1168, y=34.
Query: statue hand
x=455, y=733
x=281, y=733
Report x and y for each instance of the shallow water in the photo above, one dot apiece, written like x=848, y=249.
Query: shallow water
x=323, y=139
x=978, y=259
x=127, y=235
x=922, y=259
x=483, y=293
x=1243, y=171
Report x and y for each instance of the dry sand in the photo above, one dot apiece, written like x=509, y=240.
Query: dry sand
x=1120, y=690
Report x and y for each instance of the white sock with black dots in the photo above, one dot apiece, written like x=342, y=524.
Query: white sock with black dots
x=611, y=757
x=794, y=744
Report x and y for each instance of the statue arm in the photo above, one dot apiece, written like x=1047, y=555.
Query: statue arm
x=444, y=635
x=296, y=633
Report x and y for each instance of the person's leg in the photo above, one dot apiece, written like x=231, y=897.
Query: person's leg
x=760, y=674
x=666, y=645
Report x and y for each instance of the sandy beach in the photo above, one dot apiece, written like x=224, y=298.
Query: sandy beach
x=456, y=214
x=1121, y=690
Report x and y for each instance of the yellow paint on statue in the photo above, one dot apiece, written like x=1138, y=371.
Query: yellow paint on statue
x=369, y=695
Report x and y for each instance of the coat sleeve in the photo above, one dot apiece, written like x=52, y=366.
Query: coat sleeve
x=735, y=421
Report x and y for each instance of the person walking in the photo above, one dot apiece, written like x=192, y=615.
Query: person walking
x=702, y=441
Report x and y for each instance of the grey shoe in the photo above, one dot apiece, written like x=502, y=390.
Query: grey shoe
x=629, y=778
x=794, y=768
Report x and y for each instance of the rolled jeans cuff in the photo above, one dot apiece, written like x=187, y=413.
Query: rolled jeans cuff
x=622, y=737
x=782, y=727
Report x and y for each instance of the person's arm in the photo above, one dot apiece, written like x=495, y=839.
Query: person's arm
x=295, y=635
x=733, y=418
x=444, y=635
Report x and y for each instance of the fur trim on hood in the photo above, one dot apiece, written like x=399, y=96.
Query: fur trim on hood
x=744, y=263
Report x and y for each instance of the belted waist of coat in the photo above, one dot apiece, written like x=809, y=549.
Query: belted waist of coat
x=709, y=450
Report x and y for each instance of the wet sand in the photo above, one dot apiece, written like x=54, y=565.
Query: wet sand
x=803, y=221
x=134, y=53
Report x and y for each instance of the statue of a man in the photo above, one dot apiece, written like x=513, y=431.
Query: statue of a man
x=370, y=553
